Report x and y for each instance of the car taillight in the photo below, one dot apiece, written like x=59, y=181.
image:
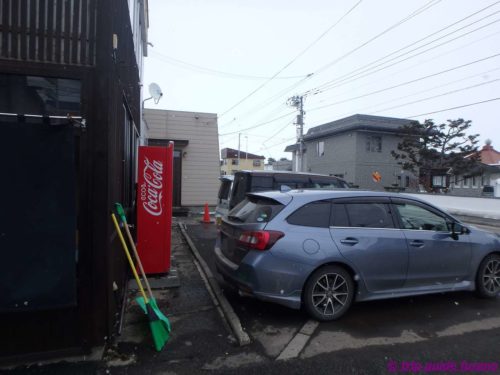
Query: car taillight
x=259, y=240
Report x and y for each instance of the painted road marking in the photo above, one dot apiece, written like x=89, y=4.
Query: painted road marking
x=327, y=342
x=299, y=342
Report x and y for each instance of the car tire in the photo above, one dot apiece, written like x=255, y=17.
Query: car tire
x=488, y=277
x=328, y=293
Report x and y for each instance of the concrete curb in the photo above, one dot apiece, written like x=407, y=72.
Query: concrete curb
x=220, y=299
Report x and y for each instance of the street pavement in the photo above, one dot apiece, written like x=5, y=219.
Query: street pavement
x=448, y=333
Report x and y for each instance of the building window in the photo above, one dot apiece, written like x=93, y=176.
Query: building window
x=234, y=161
x=39, y=95
x=256, y=163
x=483, y=180
x=466, y=181
x=439, y=181
x=320, y=148
x=374, y=143
x=474, y=181
x=407, y=181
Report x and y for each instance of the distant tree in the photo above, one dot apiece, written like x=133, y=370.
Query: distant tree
x=284, y=159
x=428, y=146
x=271, y=160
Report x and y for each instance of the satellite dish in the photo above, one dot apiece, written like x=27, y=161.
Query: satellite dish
x=155, y=92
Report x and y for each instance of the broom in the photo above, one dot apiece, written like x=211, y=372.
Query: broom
x=140, y=300
x=158, y=330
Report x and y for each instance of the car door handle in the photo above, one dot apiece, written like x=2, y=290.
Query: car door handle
x=349, y=241
x=417, y=243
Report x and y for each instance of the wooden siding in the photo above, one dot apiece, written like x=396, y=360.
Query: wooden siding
x=200, y=163
x=108, y=86
x=48, y=31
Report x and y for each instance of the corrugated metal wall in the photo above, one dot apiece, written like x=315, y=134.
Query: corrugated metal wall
x=48, y=31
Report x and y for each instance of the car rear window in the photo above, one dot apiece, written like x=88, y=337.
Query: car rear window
x=255, y=210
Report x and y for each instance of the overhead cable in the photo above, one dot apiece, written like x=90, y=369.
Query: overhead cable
x=406, y=83
x=353, y=73
x=292, y=61
x=452, y=108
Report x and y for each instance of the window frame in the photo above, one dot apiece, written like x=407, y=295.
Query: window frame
x=368, y=200
x=466, y=182
x=374, y=143
x=433, y=210
x=320, y=149
x=321, y=201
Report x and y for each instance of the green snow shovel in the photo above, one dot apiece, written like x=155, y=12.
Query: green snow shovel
x=158, y=329
x=140, y=300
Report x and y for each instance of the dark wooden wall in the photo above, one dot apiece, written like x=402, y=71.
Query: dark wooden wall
x=110, y=89
x=56, y=31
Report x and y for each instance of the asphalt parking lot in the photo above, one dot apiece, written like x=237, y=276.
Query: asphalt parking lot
x=402, y=325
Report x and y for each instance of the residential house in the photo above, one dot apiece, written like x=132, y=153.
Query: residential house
x=196, y=154
x=483, y=180
x=235, y=160
x=70, y=115
x=282, y=165
x=358, y=149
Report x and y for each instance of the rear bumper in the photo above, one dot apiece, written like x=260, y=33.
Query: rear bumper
x=263, y=276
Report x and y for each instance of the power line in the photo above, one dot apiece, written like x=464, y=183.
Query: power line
x=258, y=125
x=452, y=108
x=437, y=96
x=293, y=60
x=407, y=82
x=201, y=69
x=268, y=101
x=420, y=10
x=410, y=16
x=369, y=65
x=362, y=110
x=461, y=47
x=349, y=80
x=275, y=134
x=277, y=144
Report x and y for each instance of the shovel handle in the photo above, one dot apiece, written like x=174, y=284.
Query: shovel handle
x=121, y=212
x=130, y=261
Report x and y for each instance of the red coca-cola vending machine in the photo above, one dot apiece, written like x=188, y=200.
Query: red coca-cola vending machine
x=154, y=207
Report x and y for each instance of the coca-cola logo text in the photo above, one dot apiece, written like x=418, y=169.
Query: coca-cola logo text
x=151, y=189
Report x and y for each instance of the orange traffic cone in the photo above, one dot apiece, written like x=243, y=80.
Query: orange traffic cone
x=206, y=215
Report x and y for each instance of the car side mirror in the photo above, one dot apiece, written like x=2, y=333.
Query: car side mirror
x=457, y=229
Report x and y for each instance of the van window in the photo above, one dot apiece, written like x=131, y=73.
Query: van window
x=328, y=183
x=240, y=188
x=262, y=183
x=224, y=189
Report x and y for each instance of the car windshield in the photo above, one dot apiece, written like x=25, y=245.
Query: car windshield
x=255, y=210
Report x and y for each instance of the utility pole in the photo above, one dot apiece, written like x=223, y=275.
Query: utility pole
x=298, y=102
x=239, y=144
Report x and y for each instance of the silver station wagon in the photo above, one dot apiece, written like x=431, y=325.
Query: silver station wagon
x=324, y=249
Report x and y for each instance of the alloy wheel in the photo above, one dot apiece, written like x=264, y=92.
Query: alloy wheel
x=491, y=276
x=330, y=294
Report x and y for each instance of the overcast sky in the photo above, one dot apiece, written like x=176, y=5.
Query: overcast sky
x=242, y=59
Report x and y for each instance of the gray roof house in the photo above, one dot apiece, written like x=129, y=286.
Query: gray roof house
x=358, y=149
